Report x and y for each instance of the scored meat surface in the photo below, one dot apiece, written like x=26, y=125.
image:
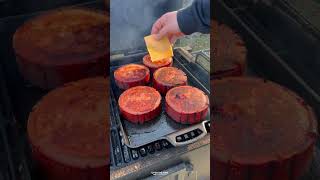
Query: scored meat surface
x=187, y=104
x=62, y=45
x=229, y=51
x=131, y=75
x=168, y=77
x=262, y=131
x=140, y=104
x=153, y=66
x=69, y=128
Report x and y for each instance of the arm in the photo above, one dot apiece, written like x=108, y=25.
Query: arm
x=195, y=18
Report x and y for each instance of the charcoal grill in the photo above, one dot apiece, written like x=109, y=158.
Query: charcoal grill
x=282, y=46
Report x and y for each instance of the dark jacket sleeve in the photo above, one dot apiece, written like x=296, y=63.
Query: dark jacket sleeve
x=195, y=18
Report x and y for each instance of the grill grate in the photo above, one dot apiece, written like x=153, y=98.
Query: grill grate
x=121, y=155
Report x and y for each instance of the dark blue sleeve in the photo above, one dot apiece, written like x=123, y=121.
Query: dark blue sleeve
x=195, y=18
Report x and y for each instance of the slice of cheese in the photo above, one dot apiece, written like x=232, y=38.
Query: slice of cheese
x=160, y=49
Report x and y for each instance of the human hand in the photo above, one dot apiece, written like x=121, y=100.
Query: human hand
x=167, y=25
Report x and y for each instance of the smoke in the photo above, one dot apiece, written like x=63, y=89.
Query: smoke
x=131, y=21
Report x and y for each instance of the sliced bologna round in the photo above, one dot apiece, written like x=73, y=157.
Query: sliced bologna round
x=168, y=77
x=68, y=130
x=140, y=104
x=229, y=52
x=260, y=129
x=153, y=66
x=187, y=104
x=131, y=75
x=61, y=46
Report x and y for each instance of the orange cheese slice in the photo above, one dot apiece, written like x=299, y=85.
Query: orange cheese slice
x=160, y=49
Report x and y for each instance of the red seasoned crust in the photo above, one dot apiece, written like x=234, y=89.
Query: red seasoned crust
x=153, y=66
x=62, y=37
x=229, y=51
x=62, y=45
x=168, y=77
x=140, y=104
x=187, y=104
x=69, y=129
x=131, y=75
x=261, y=130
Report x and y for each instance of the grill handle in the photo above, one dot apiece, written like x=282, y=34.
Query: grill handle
x=188, y=56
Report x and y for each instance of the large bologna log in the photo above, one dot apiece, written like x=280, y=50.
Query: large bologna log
x=131, y=75
x=261, y=131
x=68, y=131
x=229, y=52
x=187, y=104
x=153, y=66
x=140, y=104
x=168, y=77
x=62, y=45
